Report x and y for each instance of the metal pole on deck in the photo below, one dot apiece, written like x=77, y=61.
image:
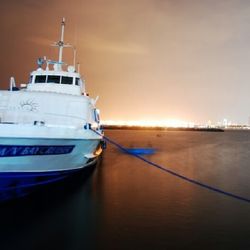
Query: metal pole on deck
x=61, y=42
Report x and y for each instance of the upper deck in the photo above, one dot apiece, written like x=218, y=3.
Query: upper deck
x=53, y=77
x=59, y=81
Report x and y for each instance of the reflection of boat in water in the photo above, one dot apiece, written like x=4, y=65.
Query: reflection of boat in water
x=46, y=126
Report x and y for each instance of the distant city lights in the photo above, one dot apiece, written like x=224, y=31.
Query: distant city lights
x=153, y=123
x=175, y=123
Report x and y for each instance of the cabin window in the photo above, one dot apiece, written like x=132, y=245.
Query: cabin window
x=40, y=79
x=53, y=79
x=77, y=81
x=67, y=80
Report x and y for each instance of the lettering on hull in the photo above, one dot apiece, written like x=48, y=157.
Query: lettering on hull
x=20, y=150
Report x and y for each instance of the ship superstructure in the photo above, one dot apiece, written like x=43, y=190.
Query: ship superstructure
x=49, y=125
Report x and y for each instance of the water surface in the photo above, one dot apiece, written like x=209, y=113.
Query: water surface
x=126, y=204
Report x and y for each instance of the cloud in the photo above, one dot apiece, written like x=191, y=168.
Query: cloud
x=111, y=46
x=41, y=41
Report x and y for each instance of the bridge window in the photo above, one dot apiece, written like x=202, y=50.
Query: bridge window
x=67, y=80
x=40, y=79
x=53, y=79
x=77, y=81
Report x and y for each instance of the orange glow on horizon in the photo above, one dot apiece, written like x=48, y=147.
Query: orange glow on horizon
x=151, y=123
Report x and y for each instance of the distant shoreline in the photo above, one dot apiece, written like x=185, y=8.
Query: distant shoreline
x=110, y=127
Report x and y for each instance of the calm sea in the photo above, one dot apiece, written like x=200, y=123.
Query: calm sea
x=126, y=204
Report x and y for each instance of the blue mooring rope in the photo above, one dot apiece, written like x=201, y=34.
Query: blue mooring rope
x=203, y=185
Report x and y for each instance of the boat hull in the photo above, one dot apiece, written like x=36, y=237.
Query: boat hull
x=45, y=155
x=15, y=185
x=28, y=163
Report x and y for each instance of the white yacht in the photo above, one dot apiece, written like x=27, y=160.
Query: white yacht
x=49, y=127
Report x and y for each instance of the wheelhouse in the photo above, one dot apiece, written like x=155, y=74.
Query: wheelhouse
x=58, y=79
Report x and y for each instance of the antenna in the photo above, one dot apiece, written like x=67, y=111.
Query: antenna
x=78, y=67
x=74, y=57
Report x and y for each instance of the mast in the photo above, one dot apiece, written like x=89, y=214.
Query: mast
x=61, y=42
x=62, y=45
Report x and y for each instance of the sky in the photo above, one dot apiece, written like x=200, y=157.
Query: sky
x=145, y=59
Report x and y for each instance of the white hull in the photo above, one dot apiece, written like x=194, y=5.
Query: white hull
x=19, y=153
